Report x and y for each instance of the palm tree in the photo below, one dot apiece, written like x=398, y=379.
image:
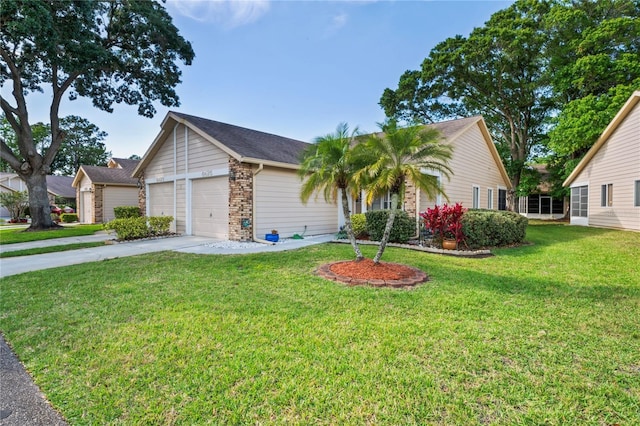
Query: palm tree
x=396, y=155
x=328, y=167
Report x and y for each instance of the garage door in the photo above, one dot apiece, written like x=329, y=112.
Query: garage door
x=210, y=207
x=160, y=199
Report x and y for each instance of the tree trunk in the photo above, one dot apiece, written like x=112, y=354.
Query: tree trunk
x=39, y=209
x=387, y=228
x=347, y=225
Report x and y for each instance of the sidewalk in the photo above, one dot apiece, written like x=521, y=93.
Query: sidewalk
x=21, y=401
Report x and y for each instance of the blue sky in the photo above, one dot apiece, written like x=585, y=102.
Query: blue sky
x=292, y=68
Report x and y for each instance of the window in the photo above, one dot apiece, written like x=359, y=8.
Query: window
x=579, y=201
x=606, y=195
x=502, y=199
x=490, y=198
x=637, y=192
x=476, y=197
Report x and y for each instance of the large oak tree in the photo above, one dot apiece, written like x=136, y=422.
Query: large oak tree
x=109, y=51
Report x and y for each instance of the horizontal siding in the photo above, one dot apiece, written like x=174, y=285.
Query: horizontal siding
x=278, y=206
x=203, y=155
x=180, y=207
x=117, y=196
x=617, y=162
x=180, y=150
x=472, y=164
x=162, y=162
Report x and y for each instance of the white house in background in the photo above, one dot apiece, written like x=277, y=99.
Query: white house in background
x=223, y=181
x=99, y=189
x=605, y=185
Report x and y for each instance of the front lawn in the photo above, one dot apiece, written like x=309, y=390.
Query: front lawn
x=19, y=235
x=543, y=334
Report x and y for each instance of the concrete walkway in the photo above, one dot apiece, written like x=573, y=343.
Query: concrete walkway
x=21, y=401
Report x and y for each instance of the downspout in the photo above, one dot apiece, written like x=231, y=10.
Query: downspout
x=253, y=208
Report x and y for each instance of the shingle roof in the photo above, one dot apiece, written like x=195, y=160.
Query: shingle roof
x=250, y=143
x=109, y=175
x=127, y=164
x=61, y=186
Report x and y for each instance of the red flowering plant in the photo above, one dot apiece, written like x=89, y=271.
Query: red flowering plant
x=445, y=222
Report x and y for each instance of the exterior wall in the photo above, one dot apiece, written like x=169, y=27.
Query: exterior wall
x=240, y=201
x=278, y=206
x=183, y=155
x=472, y=165
x=617, y=162
x=98, y=203
x=85, y=200
x=117, y=196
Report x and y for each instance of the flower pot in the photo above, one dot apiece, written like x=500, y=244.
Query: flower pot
x=272, y=237
x=449, y=244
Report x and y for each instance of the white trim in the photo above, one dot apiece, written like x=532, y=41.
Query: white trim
x=490, y=198
x=192, y=175
x=473, y=193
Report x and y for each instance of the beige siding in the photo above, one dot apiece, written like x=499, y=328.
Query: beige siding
x=160, y=200
x=117, y=196
x=617, y=162
x=204, y=156
x=472, y=165
x=181, y=206
x=278, y=206
x=162, y=162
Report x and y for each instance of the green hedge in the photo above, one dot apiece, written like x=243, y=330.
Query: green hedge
x=359, y=225
x=123, y=212
x=133, y=228
x=403, y=228
x=493, y=228
x=69, y=217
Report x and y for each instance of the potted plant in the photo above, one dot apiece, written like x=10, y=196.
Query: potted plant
x=445, y=223
x=273, y=236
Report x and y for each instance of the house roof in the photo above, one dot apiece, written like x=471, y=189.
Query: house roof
x=61, y=186
x=252, y=146
x=109, y=175
x=604, y=137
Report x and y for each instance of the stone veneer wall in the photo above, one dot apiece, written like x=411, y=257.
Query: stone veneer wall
x=410, y=200
x=240, y=200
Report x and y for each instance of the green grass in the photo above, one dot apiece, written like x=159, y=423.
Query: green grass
x=543, y=334
x=50, y=249
x=19, y=235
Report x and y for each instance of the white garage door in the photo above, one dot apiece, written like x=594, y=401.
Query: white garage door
x=160, y=199
x=115, y=196
x=210, y=207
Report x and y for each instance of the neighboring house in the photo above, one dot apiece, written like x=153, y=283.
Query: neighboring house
x=59, y=189
x=605, y=185
x=100, y=189
x=228, y=182
x=479, y=179
x=539, y=204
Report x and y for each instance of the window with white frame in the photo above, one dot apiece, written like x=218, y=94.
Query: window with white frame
x=636, y=191
x=579, y=201
x=476, y=197
x=606, y=195
x=490, y=198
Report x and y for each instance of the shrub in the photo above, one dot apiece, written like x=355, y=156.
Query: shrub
x=123, y=212
x=159, y=225
x=69, y=217
x=402, y=230
x=492, y=228
x=445, y=222
x=130, y=228
x=359, y=225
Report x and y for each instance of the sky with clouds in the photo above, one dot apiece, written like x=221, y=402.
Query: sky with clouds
x=292, y=68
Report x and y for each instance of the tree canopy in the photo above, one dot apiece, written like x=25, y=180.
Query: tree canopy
x=109, y=51
x=546, y=75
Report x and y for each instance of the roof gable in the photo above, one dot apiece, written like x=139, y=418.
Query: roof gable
x=626, y=109
x=61, y=186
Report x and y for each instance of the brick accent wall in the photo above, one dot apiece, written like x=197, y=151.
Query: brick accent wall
x=240, y=201
x=410, y=199
x=98, y=203
x=142, y=196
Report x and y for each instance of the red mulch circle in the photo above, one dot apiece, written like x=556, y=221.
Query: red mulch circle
x=365, y=272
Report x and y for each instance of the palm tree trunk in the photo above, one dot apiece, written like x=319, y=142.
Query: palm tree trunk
x=347, y=225
x=387, y=228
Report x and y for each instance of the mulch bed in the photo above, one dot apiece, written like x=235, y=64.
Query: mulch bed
x=365, y=272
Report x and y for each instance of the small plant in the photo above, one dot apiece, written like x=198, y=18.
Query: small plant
x=445, y=222
x=69, y=217
x=359, y=225
x=123, y=212
x=274, y=232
